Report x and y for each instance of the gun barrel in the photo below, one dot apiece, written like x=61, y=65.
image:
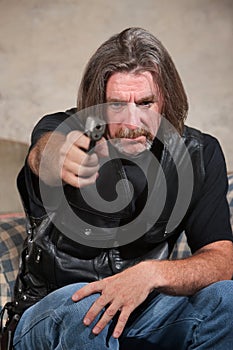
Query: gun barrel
x=94, y=128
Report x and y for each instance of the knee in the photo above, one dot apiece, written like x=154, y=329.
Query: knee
x=217, y=296
x=59, y=303
x=66, y=305
x=223, y=291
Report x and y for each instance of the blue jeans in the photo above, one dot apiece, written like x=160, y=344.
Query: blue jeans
x=202, y=321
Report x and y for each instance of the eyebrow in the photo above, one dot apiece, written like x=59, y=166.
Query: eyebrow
x=151, y=98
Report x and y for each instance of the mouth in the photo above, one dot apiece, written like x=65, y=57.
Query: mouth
x=132, y=146
x=135, y=140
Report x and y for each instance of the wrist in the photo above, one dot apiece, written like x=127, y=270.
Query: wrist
x=151, y=270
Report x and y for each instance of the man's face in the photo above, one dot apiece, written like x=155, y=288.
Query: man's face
x=133, y=112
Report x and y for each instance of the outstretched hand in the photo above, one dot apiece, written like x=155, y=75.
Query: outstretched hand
x=121, y=293
x=79, y=168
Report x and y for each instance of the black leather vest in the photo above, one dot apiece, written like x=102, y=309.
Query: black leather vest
x=51, y=259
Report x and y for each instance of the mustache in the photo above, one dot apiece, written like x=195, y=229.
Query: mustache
x=134, y=133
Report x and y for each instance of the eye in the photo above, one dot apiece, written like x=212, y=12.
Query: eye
x=116, y=106
x=145, y=104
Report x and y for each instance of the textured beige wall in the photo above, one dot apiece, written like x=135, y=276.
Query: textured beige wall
x=44, y=45
x=12, y=155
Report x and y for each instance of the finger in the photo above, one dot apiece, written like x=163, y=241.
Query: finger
x=90, y=160
x=79, y=139
x=121, y=322
x=105, y=319
x=78, y=156
x=94, y=311
x=85, y=181
x=80, y=170
x=90, y=288
x=78, y=182
x=83, y=142
x=101, y=148
x=70, y=166
x=75, y=148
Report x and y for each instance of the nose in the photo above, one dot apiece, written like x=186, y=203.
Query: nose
x=132, y=116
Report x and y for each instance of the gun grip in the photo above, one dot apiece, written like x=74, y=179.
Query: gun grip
x=91, y=146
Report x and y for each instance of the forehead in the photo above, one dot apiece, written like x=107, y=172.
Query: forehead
x=122, y=85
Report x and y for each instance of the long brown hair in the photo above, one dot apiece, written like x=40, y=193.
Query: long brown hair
x=135, y=50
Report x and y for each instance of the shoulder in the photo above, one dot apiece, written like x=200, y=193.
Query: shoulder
x=213, y=154
x=59, y=121
x=212, y=151
x=58, y=117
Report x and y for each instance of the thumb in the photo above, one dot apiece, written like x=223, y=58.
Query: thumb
x=101, y=148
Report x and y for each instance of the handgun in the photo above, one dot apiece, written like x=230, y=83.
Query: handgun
x=94, y=128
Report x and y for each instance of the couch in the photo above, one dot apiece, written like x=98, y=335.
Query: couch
x=12, y=234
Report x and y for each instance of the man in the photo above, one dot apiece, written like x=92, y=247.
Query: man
x=91, y=292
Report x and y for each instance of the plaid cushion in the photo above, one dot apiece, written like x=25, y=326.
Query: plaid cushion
x=12, y=234
x=230, y=196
